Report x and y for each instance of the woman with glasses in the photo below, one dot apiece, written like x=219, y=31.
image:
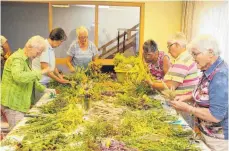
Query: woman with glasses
x=81, y=51
x=158, y=61
x=210, y=95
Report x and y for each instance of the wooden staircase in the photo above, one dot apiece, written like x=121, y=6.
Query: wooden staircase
x=127, y=45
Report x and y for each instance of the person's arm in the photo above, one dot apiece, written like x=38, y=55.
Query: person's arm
x=161, y=86
x=95, y=57
x=39, y=86
x=71, y=53
x=51, y=74
x=184, y=98
x=69, y=64
x=173, y=78
x=218, y=99
x=56, y=71
x=95, y=52
x=202, y=113
x=166, y=64
x=6, y=49
x=21, y=76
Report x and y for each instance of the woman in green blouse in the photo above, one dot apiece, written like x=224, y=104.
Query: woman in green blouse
x=19, y=81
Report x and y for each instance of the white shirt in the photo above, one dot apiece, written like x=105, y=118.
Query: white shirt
x=48, y=56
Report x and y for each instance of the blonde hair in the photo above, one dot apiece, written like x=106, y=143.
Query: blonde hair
x=204, y=43
x=179, y=38
x=81, y=29
x=36, y=42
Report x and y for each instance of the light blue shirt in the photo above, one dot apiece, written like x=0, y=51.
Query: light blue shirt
x=218, y=93
x=48, y=56
x=82, y=57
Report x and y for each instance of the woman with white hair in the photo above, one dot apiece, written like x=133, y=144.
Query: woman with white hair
x=19, y=80
x=210, y=95
x=82, y=51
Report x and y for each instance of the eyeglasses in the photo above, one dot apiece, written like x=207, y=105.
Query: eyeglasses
x=83, y=37
x=194, y=55
x=170, y=45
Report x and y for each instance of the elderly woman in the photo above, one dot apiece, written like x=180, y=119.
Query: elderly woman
x=158, y=61
x=82, y=51
x=19, y=80
x=210, y=95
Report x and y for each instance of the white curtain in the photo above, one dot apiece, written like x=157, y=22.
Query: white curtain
x=187, y=18
x=211, y=17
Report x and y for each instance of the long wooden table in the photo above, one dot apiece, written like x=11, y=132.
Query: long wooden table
x=46, y=99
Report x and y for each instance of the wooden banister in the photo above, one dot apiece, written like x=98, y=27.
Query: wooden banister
x=121, y=46
x=120, y=36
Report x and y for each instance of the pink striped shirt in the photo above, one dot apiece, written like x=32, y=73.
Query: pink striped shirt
x=184, y=71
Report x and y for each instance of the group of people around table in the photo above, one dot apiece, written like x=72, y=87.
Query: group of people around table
x=199, y=78
x=28, y=71
x=204, y=96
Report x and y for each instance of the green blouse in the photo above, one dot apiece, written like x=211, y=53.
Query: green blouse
x=18, y=81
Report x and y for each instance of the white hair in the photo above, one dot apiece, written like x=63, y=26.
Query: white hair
x=36, y=42
x=81, y=29
x=204, y=43
x=179, y=38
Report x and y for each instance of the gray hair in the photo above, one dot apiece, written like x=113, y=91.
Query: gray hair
x=204, y=43
x=179, y=38
x=36, y=42
x=81, y=29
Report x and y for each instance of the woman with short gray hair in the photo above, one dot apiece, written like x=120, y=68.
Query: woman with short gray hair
x=210, y=95
x=82, y=51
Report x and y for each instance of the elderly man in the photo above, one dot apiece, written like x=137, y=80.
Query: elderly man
x=183, y=74
x=210, y=95
x=19, y=80
x=82, y=51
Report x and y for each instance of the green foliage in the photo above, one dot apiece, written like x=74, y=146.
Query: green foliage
x=46, y=133
x=94, y=108
x=146, y=131
x=135, y=68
